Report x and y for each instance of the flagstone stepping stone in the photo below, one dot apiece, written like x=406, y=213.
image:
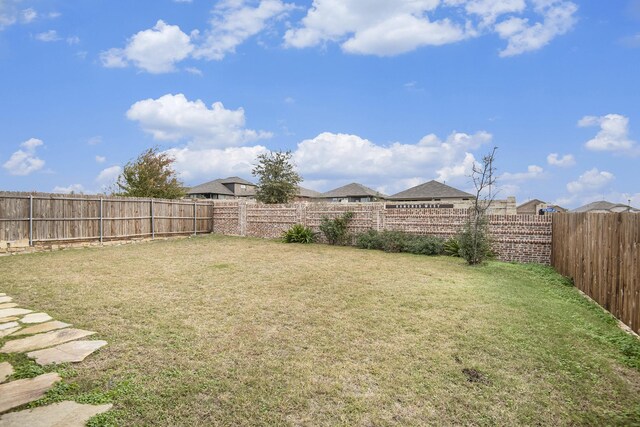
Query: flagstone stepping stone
x=8, y=325
x=8, y=319
x=36, y=318
x=61, y=414
x=8, y=305
x=19, y=392
x=42, y=327
x=74, y=351
x=5, y=299
x=6, y=312
x=49, y=339
x=6, y=332
x=6, y=370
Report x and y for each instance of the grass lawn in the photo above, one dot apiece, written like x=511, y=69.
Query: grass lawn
x=231, y=331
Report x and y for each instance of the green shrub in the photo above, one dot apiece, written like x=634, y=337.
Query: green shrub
x=335, y=230
x=398, y=241
x=451, y=247
x=298, y=233
x=475, y=244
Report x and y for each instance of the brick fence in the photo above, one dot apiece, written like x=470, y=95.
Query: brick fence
x=523, y=238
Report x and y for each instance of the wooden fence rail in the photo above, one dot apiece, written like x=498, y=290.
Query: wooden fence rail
x=41, y=218
x=601, y=253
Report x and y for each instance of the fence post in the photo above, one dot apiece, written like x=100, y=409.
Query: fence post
x=30, y=219
x=195, y=218
x=101, y=225
x=153, y=229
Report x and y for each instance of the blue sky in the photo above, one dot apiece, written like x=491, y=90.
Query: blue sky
x=388, y=93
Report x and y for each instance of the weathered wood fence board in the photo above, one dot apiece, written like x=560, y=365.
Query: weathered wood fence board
x=42, y=218
x=601, y=253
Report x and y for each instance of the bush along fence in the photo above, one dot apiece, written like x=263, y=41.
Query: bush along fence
x=523, y=238
x=45, y=219
x=601, y=253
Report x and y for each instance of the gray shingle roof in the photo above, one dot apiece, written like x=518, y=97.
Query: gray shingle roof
x=603, y=206
x=217, y=186
x=305, y=192
x=352, y=190
x=431, y=190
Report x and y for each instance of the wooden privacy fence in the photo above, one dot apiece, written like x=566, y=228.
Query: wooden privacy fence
x=601, y=253
x=41, y=218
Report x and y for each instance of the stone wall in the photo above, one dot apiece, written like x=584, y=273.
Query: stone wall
x=522, y=238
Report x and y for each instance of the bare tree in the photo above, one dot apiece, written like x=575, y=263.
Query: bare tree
x=475, y=245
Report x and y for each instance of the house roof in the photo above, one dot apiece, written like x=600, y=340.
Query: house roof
x=604, y=206
x=217, y=186
x=305, y=192
x=431, y=190
x=531, y=204
x=352, y=190
x=235, y=180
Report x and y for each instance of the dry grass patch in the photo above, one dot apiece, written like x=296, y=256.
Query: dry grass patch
x=230, y=331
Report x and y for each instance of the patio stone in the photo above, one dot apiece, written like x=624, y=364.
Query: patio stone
x=5, y=371
x=5, y=299
x=6, y=312
x=19, y=392
x=8, y=325
x=49, y=339
x=36, y=318
x=67, y=414
x=8, y=305
x=8, y=319
x=6, y=332
x=42, y=327
x=75, y=351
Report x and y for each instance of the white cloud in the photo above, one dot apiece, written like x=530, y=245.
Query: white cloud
x=613, y=134
x=193, y=70
x=155, y=50
x=567, y=160
x=392, y=27
x=350, y=157
x=521, y=36
x=73, y=40
x=234, y=21
x=380, y=28
x=108, y=177
x=174, y=117
x=28, y=15
x=101, y=159
x=95, y=140
x=48, y=36
x=24, y=161
x=73, y=188
x=210, y=163
x=533, y=172
x=591, y=180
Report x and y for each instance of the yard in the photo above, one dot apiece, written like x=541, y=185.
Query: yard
x=235, y=331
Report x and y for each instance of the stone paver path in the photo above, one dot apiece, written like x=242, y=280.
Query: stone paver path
x=47, y=341
x=6, y=312
x=19, y=392
x=36, y=318
x=42, y=327
x=6, y=370
x=75, y=351
x=62, y=414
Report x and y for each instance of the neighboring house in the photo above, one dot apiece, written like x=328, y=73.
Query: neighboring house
x=533, y=207
x=606, y=207
x=351, y=193
x=306, y=195
x=227, y=188
x=434, y=194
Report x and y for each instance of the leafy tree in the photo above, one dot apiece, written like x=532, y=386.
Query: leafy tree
x=150, y=175
x=474, y=241
x=278, y=181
